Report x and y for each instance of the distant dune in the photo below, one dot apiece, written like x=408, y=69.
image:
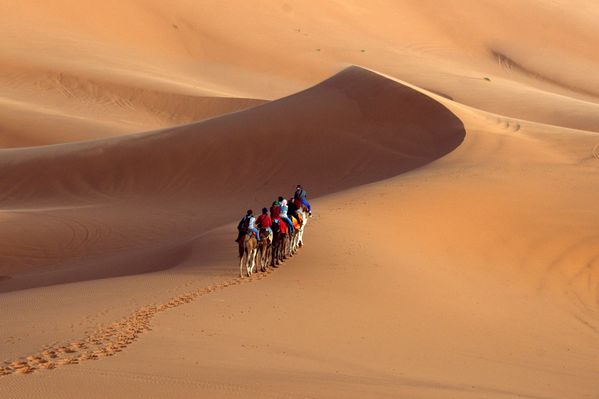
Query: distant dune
x=450, y=151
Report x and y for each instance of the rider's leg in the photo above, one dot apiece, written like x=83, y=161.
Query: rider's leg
x=307, y=204
x=289, y=224
x=255, y=230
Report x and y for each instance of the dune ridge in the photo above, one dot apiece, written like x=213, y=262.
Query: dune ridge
x=181, y=49
x=384, y=128
x=66, y=108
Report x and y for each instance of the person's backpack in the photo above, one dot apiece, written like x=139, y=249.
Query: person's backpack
x=244, y=224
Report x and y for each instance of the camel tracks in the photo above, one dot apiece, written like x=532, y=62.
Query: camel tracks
x=504, y=123
x=596, y=151
x=111, y=339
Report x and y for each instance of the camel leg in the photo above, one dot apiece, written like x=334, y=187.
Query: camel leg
x=275, y=254
x=259, y=253
x=252, y=261
x=263, y=257
x=257, y=259
x=283, y=253
x=241, y=266
x=248, y=262
x=268, y=255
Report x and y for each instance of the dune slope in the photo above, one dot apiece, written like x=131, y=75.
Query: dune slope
x=498, y=300
x=357, y=126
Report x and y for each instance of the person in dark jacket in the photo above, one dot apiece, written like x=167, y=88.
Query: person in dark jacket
x=246, y=225
x=301, y=194
x=292, y=204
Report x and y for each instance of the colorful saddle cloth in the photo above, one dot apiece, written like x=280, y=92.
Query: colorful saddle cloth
x=282, y=225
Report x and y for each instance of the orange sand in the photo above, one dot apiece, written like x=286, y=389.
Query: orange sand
x=450, y=152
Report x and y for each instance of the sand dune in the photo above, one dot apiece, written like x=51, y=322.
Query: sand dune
x=450, y=151
x=383, y=128
x=189, y=49
x=50, y=108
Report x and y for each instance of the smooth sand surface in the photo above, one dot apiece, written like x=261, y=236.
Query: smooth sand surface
x=450, y=151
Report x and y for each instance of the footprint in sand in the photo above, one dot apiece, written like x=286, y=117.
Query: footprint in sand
x=25, y=370
x=49, y=353
x=67, y=361
x=83, y=357
x=65, y=349
x=77, y=345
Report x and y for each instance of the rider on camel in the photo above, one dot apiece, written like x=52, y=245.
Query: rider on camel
x=275, y=211
x=284, y=208
x=300, y=194
x=292, y=204
x=247, y=224
x=275, y=216
x=264, y=221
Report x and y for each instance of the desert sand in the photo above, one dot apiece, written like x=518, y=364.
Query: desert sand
x=450, y=150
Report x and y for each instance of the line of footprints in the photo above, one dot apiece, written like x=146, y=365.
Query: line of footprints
x=108, y=341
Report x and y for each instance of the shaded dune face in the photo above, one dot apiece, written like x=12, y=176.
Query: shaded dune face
x=133, y=204
x=357, y=127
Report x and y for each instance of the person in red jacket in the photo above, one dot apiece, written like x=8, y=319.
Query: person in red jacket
x=275, y=216
x=275, y=211
x=264, y=221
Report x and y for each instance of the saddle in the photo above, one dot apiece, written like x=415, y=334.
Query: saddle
x=296, y=224
x=267, y=234
x=282, y=225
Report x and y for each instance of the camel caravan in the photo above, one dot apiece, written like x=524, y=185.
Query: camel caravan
x=270, y=239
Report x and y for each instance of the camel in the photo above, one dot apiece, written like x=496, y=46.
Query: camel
x=296, y=239
x=278, y=241
x=248, y=249
x=264, y=249
x=289, y=245
x=299, y=238
x=273, y=250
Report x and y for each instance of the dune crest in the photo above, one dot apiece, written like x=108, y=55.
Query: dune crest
x=46, y=107
x=358, y=127
x=383, y=127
